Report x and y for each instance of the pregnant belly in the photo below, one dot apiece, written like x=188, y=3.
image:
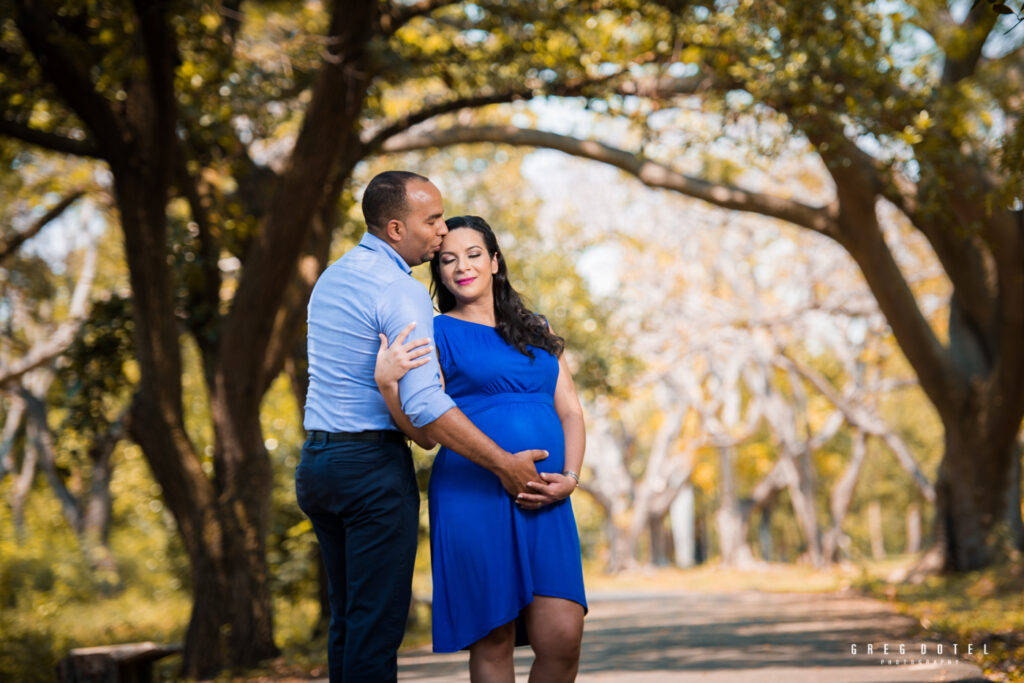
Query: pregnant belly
x=522, y=425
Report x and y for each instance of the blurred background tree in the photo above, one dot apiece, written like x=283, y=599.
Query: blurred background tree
x=230, y=132
x=915, y=105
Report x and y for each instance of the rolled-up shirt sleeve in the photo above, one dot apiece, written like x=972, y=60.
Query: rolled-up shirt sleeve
x=406, y=301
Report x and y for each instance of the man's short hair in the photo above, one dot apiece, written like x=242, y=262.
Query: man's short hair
x=384, y=198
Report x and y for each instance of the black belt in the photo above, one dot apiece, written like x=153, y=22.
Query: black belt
x=380, y=435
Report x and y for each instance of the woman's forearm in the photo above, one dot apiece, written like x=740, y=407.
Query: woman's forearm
x=394, y=403
x=575, y=441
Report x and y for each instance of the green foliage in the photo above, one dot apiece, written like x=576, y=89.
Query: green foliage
x=292, y=551
x=94, y=384
x=49, y=599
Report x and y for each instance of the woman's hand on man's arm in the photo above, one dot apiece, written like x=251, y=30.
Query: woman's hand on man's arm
x=393, y=361
x=398, y=358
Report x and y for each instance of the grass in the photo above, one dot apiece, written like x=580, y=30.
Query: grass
x=984, y=607
x=36, y=636
x=713, y=578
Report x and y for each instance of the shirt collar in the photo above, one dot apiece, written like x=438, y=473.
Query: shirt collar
x=374, y=243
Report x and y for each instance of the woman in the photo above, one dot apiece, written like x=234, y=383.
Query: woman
x=498, y=561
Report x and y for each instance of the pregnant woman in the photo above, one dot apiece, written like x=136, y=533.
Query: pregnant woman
x=506, y=572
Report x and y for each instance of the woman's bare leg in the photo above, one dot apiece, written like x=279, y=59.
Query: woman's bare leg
x=555, y=626
x=490, y=658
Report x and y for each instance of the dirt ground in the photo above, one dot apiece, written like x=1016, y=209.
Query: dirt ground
x=746, y=637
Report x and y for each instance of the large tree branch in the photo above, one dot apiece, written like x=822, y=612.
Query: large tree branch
x=273, y=256
x=12, y=424
x=571, y=88
x=50, y=141
x=231, y=19
x=858, y=187
x=161, y=54
x=963, y=50
x=394, y=16
x=373, y=142
x=956, y=249
x=10, y=243
x=658, y=463
x=864, y=419
x=649, y=172
x=778, y=478
x=42, y=437
x=1008, y=233
x=290, y=321
x=206, y=296
x=68, y=74
x=62, y=338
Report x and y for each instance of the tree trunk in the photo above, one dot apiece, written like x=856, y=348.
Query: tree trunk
x=764, y=534
x=88, y=515
x=23, y=482
x=972, y=494
x=12, y=425
x=1013, y=503
x=683, y=517
x=802, y=494
x=661, y=542
x=913, y=529
x=622, y=528
x=244, y=479
x=732, y=537
x=875, y=530
x=222, y=534
x=298, y=375
x=222, y=522
x=625, y=533
x=42, y=441
x=842, y=493
x=96, y=515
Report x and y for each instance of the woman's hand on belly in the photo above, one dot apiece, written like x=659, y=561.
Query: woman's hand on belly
x=554, y=488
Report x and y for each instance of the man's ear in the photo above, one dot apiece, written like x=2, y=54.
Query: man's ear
x=394, y=230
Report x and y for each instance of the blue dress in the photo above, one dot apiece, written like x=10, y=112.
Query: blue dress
x=489, y=557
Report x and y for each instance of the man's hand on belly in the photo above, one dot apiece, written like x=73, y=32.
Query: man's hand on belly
x=518, y=469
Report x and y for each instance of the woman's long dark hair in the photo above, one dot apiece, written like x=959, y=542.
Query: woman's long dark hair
x=516, y=324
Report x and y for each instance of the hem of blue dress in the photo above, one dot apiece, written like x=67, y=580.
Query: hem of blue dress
x=457, y=648
x=572, y=598
x=444, y=650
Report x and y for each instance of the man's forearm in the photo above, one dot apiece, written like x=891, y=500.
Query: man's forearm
x=455, y=431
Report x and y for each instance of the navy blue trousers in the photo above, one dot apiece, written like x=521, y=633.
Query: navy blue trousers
x=364, y=504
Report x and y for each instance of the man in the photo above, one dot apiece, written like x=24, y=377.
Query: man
x=356, y=480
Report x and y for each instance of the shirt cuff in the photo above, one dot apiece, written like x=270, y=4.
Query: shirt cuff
x=425, y=406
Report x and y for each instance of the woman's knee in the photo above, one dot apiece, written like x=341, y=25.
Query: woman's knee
x=563, y=648
x=497, y=644
x=561, y=641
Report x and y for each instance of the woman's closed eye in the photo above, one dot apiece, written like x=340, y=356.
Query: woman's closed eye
x=448, y=260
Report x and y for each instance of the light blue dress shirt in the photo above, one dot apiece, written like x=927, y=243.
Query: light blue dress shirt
x=367, y=291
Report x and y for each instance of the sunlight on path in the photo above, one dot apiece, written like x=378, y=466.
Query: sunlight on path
x=744, y=637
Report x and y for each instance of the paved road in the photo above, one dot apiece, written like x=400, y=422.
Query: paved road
x=747, y=637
